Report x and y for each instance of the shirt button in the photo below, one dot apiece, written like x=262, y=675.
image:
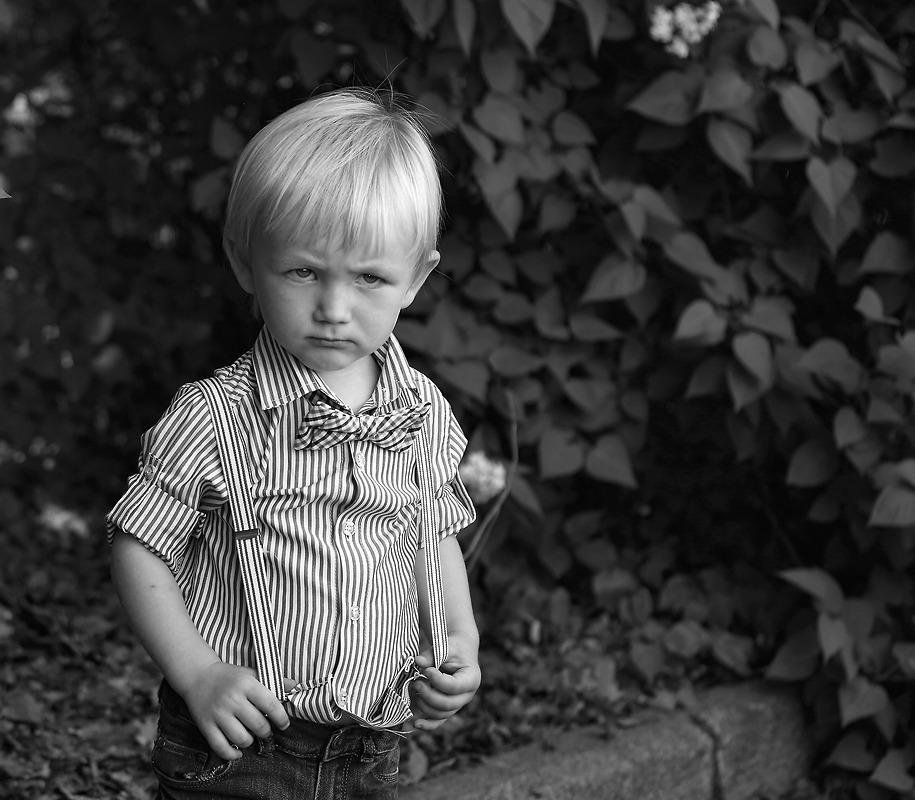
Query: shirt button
x=359, y=459
x=344, y=695
x=349, y=528
x=355, y=612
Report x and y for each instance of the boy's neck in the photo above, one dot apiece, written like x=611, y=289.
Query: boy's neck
x=354, y=386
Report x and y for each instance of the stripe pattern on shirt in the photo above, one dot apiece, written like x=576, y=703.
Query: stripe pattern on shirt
x=339, y=527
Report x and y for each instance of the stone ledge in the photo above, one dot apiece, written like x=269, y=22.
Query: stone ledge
x=740, y=741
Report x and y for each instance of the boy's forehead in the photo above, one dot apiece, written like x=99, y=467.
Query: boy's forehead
x=362, y=246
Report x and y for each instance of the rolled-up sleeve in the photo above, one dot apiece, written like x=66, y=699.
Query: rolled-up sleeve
x=179, y=480
x=454, y=510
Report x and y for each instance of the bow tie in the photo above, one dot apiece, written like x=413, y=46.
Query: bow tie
x=325, y=426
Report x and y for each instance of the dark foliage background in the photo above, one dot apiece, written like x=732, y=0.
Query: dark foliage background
x=675, y=302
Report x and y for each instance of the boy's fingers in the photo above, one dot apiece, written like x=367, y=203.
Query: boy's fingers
x=460, y=681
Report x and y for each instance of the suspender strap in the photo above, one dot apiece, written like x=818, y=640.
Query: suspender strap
x=251, y=554
x=437, y=618
x=247, y=539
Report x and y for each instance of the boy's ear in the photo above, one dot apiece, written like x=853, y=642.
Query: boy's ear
x=423, y=271
x=240, y=266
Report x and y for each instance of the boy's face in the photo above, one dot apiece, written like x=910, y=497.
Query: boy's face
x=331, y=309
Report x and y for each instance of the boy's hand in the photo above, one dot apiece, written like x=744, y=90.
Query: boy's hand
x=231, y=706
x=447, y=690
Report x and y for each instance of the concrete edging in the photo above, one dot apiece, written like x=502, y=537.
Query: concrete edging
x=740, y=742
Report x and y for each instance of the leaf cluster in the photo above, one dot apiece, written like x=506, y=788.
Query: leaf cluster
x=675, y=294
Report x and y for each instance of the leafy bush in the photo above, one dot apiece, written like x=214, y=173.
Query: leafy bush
x=675, y=294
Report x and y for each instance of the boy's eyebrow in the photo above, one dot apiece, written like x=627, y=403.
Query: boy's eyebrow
x=311, y=256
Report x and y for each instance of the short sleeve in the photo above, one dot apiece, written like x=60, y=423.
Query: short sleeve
x=179, y=480
x=454, y=510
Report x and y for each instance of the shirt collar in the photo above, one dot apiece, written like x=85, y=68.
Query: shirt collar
x=281, y=377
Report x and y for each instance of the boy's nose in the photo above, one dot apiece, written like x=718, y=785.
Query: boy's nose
x=333, y=306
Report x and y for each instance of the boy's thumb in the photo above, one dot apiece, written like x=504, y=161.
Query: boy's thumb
x=424, y=659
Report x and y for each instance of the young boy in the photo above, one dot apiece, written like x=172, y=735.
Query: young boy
x=331, y=226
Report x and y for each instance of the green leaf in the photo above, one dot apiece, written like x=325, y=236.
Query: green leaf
x=732, y=143
x=814, y=60
x=591, y=328
x=797, y=659
x=636, y=218
x=512, y=362
x=561, y=453
x=608, y=460
x=894, y=507
x=525, y=496
x=529, y=19
x=766, y=48
x=851, y=753
x=812, y=464
x=648, y=658
x=754, y=353
x=870, y=306
x=501, y=119
x=464, y=14
x=497, y=182
x=468, y=375
x=802, y=110
x=701, y=323
x=888, y=254
x=832, y=635
x=905, y=471
x=860, y=699
x=596, y=13
x=848, y=125
x=655, y=205
x=424, y=15
x=550, y=315
x=615, y=277
x=893, y=772
x=835, y=228
x=571, y=130
x=668, y=99
x=904, y=655
x=482, y=145
x=771, y=315
x=501, y=70
x=724, y=90
x=743, y=387
x=833, y=181
x=820, y=585
x=848, y=428
x=767, y=9
x=733, y=651
x=785, y=146
x=689, y=252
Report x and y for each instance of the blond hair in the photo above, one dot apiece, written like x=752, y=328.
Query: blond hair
x=344, y=168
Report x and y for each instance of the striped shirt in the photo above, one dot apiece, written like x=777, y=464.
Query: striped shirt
x=339, y=527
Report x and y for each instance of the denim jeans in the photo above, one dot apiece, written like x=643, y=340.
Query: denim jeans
x=303, y=762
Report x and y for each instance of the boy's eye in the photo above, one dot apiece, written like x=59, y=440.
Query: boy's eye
x=371, y=280
x=302, y=272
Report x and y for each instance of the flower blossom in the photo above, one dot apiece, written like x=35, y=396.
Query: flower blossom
x=483, y=477
x=683, y=26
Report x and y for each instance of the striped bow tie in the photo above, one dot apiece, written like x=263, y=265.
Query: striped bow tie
x=325, y=426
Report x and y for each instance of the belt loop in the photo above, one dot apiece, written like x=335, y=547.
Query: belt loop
x=368, y=747
x=266, y=746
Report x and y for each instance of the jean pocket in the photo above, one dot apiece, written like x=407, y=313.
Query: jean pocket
x=181, y=756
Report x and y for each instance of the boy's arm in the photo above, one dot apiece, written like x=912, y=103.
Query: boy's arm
x=448, y=689
x=227, y=702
